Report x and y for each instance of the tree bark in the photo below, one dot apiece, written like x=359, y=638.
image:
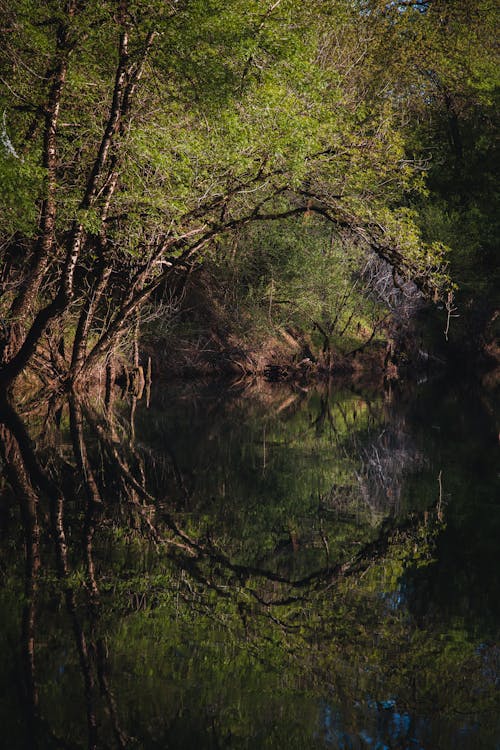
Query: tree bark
x=64, y=296
x=24, y=302
x=85, y=321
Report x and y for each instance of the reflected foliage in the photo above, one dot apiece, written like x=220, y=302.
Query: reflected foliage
x=235, y=569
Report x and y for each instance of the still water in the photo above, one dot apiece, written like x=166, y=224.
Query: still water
x=256, y=567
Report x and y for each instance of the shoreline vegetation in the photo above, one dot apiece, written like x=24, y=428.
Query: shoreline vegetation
x=228, y=183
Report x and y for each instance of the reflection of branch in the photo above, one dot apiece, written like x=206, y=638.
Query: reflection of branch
x=27, y=473
x=30, y=469
x=129, y=480
x=102, y=675
x=59, y=534
x=155, y=459
x=191, y=554
x=94, y=500
x=28, y=502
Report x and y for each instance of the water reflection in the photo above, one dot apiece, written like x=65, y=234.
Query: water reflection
x=227, y=569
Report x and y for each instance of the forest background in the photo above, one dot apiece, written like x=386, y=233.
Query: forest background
x=241, y=183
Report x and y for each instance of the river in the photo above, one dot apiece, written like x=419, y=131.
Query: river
x=252, y=566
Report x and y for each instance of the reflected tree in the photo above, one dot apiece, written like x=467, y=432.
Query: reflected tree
x=153, y=607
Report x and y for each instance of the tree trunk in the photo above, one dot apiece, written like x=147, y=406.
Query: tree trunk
x=24, y=302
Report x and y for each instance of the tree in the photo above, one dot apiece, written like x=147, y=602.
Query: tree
x=152, y=129
x=440, y=62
